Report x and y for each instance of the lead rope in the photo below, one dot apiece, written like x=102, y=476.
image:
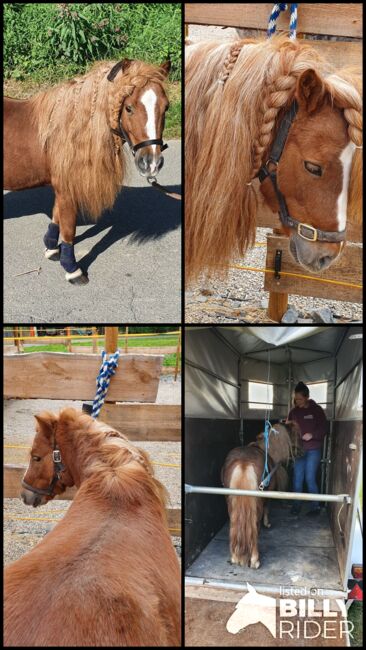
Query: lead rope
x=153, y=182
x=268, y=428
x=272, y=21
x=107, y=370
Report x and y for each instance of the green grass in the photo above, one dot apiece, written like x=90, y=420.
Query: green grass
x=143, y=342
x=355, y=615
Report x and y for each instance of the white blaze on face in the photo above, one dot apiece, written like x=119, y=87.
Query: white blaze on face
x=149, y=100
x=346, y=160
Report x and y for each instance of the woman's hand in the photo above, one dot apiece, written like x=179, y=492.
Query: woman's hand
x=307, y=436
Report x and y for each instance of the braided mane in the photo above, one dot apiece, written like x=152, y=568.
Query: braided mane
x=74, y=120
x=235, y=94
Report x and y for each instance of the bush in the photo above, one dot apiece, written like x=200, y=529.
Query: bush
x=43, y=37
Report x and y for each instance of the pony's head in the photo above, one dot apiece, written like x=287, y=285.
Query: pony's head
x=46, y=475
x=237, y=100
x=294, y=434
x=140, y=113
x=284, y=442
x=313, y=175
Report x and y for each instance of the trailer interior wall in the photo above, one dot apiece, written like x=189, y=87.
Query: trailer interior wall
x=211, y=430
x=346, y=468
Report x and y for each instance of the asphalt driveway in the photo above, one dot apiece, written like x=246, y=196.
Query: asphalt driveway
x=132, y=256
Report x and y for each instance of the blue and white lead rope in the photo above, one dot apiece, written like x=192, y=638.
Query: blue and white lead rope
x=272, y=22
x=107, y=370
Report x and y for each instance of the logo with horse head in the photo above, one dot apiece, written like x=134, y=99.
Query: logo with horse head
x=253, y=608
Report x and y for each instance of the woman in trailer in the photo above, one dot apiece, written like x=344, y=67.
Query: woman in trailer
x=313, y=425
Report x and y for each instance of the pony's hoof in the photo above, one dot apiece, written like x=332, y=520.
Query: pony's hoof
x=52, y=254
x=77, y=277
x=255, y=565
x=267, y=524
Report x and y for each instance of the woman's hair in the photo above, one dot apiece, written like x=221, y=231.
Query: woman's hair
x=302, y=389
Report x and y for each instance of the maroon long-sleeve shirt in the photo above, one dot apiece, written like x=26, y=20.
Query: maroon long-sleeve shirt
x=310, y=420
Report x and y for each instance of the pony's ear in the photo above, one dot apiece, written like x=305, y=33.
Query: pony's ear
x=121, y=65
x=46, y=423
x=165, y=67
x=310, y=91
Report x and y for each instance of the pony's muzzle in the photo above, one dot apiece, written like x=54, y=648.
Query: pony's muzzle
x=148, y=162
x=314, y=256
x=31, y=499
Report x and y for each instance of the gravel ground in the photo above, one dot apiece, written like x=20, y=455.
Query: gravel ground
x=240, y=297
x=19, y=535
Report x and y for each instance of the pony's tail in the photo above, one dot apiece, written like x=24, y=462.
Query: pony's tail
x=243, y=515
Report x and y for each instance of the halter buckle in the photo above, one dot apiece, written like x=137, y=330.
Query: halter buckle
x=56, y=456
x=314, y=231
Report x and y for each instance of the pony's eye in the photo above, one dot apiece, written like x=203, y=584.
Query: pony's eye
x=313, y=168
x=129, y=110
x=36, y=458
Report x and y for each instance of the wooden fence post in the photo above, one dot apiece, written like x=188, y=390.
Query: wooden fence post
x=277, y=302
x=177, y=355
x=126, y=340
x=95, y=341
x=68, y=341
x=111, y=339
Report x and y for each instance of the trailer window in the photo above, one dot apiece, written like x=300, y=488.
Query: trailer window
x=260, y=396
x=318, y=392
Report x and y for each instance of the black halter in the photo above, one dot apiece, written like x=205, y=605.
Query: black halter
x=135, y=147
x=122, y=133
x=303, y=229
x=58, y=467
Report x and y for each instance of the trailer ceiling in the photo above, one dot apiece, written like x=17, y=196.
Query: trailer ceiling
x=306, y=343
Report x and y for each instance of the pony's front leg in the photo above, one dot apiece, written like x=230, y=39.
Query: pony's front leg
x=67, y=218
x=50, y=239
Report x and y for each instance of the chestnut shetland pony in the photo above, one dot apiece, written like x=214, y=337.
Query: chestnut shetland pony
x=243, y=469
x=71, y=137
x=107, y=574
x=239, y=99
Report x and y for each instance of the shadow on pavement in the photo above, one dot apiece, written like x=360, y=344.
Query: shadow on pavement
x=142, y=213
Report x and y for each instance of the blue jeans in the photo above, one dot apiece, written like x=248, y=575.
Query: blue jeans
x=306, y=467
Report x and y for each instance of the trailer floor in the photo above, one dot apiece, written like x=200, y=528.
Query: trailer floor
x=296, y=551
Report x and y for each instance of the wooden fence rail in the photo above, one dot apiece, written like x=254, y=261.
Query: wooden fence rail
x=13, y=475
x=58, y=375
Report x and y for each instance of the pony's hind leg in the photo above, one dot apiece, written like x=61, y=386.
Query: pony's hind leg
x=67, y=218
x=266, y=521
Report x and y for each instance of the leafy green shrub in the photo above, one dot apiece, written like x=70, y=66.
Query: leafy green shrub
x=48, y=36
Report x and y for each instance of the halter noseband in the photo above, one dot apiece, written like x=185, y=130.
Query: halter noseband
x=58, y=467
x=122, y=133
x=303, y=229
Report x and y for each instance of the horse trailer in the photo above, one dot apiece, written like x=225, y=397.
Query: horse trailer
x=233, y=375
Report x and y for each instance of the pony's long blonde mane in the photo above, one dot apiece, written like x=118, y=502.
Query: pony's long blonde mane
x=112, y=466
x=234, y=93
x=74, y=121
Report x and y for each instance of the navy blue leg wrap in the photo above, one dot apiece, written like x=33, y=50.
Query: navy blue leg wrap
x=51, y=237
x=67, y=257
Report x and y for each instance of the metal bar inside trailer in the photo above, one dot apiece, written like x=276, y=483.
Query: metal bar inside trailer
x=272, y=590
x=298, y=496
